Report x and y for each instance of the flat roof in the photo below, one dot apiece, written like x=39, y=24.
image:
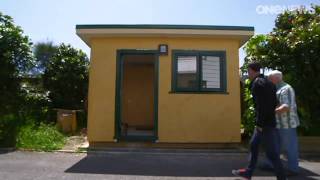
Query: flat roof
x=162, y=26
x=87, y=31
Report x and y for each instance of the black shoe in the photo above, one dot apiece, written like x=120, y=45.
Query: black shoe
x=242, y=173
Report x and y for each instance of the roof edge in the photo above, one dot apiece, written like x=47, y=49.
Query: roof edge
x=163, y=26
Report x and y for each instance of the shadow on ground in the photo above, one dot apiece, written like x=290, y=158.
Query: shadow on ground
x=7, y=150
x=168, y=164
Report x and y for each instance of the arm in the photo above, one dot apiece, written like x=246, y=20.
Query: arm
x=285, y=101
x=282, y=108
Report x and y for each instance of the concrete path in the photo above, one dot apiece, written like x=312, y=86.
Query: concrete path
x=133, y=165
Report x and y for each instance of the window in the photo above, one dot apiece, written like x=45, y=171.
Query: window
x=187, y=72
x=199, y=71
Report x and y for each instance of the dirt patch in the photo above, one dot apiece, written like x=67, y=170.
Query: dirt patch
x=73, y=143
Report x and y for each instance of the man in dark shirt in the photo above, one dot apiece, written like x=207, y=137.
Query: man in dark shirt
x=265, y=102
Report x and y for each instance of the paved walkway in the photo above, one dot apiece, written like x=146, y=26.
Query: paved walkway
x=133, y=165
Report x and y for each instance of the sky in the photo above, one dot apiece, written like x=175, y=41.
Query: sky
x=55, y=20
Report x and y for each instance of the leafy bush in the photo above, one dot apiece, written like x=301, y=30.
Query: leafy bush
x=8, y=130
x=247, y=119
x=81, y=120
x=43, y=52
x=43, y=137
x=66, y=78
x=15, y=60
x=293, y=47
x=35, y=108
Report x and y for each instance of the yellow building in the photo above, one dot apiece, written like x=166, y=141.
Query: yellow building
x=164, y=83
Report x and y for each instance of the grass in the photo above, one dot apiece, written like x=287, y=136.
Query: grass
x=42, y=138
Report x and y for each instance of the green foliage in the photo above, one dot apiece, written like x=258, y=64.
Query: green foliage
x=248, y=116
x=66, y=78
x=14, y=46
x=8, y=130
x=43, y=52
x=43, y=137
x=35, y=108
x=293, y=47
x=81, y=119
x=15, y=60
x=255, y=50
x=27, y=98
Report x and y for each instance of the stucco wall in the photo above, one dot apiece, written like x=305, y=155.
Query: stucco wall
x=207, y=118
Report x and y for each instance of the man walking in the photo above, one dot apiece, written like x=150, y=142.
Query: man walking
x=287, y=122
x=265, y=102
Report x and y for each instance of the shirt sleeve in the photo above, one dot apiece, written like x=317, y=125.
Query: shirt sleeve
x=287, y=97
x=257, y=89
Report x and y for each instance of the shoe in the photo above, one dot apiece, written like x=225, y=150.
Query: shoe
x=242, y=173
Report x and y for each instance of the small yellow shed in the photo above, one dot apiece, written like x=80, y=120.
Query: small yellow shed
x=164, y=83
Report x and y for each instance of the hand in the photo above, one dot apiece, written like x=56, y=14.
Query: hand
x=259, y=129
x=282, y=109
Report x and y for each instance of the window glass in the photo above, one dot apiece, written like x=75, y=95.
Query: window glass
x=210, y=72
x=187, y=72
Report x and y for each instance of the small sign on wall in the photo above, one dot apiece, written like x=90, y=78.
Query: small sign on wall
x=163, y=49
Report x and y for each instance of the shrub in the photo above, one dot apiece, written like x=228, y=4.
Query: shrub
x=43, y=137
x=81, y=120
x=8, y=130
x=293, y=47
x=247, y=119
x=15, y=61
x=66, y=78
x=35, y=108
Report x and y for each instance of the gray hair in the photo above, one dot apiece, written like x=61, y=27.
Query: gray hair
x=276, y=73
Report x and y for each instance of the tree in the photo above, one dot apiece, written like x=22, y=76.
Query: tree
x=15, y=60
x=43, y=51
x=293, y=47
x=66, y=78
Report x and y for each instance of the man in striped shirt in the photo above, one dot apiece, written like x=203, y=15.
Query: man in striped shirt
x=287, y=120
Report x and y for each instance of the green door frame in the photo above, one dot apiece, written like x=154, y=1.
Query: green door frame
x=118, y=99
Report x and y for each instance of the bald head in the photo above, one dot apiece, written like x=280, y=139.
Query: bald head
x=275, y=76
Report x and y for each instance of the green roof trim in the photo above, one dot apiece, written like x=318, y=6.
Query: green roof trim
x=163, y=26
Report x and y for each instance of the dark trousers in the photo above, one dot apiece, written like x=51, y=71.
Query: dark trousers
x=271, y=140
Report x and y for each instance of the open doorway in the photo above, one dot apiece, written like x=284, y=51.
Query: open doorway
x=137, y=118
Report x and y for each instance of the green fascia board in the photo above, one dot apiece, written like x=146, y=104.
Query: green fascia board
x=163, y=26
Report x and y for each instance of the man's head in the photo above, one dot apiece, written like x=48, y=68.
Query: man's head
x=253, y=70
x=275, y=76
